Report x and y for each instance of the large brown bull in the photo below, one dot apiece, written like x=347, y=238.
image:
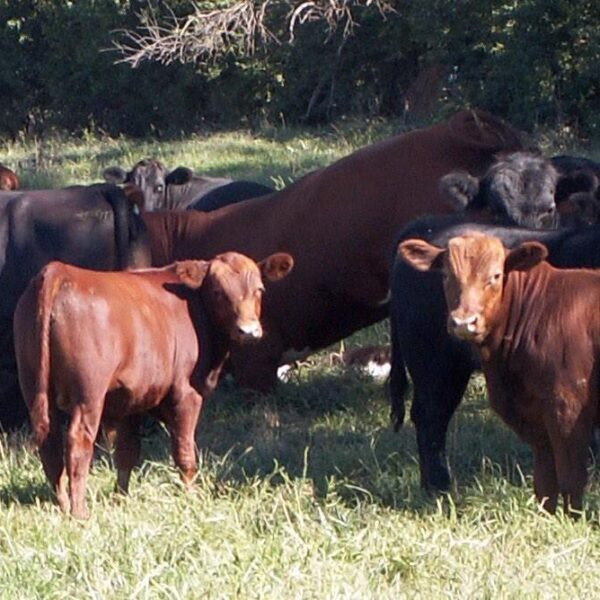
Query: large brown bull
x=339, y=222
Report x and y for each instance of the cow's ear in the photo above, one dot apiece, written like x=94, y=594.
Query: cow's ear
x=579, y=209
x=276, y=266
x=525, y=256
x=421, y=255
x=115, y=175
x=587, y=205
x=179, y=176
x=192, y=272
x=582, y=180
x=458, y=189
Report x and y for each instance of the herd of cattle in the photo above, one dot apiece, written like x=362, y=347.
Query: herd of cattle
x=456, y=220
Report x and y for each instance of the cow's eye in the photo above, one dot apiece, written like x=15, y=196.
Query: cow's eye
x=159, y=188
x=496, y=277
x=551, y=210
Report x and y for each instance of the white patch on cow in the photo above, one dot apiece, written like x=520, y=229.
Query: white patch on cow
x=378, y=370
x=292, y=355
x=386, y=300
x=283, y=373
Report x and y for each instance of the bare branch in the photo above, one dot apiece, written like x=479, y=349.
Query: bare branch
x=204, y=35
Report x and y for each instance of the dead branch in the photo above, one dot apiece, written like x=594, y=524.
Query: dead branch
x=204, y=35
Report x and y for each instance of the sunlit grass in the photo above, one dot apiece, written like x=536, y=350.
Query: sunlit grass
x=306, y=493
x=273, y=156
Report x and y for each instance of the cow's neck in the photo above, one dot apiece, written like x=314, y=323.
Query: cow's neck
x=181, y=235
x=169, y=233
x=519, y=314
x=214, y=350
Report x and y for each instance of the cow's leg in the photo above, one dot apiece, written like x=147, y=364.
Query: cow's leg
x=181, y=418
x=436, y=397
x=544, y=475
x=13, y=412
x=83, y=428
x=47, y=432
x=127, y=451
x=571, y=470
x=398, y=385
x=51, y=452
x=570, y=434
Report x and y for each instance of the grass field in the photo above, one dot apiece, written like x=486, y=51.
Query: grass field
x=306, y=493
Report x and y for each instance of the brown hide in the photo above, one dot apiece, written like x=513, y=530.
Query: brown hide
x=538, y=337
x=542, y=374
x=107, y=346
x=339, y=223
x=8, y=179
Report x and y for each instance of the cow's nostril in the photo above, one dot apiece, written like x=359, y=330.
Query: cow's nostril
x=467, y=322
x=250, y=330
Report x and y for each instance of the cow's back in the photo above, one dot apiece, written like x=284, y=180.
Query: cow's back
x=181, y=196
x=113, y=331
x=75, y=225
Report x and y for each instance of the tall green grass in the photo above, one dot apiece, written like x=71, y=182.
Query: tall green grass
x=306, y=493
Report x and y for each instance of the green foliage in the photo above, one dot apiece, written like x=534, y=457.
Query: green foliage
x=54, y=72
x=533, y=62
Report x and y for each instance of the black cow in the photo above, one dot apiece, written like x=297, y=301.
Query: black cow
x=163, y=189
x=90, y=226
x=440, y=365
x=578, y=190
x=230, y=193
x=520, y=186
x=566, y=164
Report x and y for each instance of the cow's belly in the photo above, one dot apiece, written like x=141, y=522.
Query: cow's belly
x=123, y=402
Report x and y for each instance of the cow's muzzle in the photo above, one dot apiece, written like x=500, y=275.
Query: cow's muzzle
x=465, y=328
x=249, y=331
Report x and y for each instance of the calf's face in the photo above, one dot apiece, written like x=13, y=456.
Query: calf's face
x=474, y=268
x=232, y=289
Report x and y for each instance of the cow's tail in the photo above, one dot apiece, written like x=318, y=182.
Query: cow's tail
x=398, y=380
x=39, y=297
x=121, y=211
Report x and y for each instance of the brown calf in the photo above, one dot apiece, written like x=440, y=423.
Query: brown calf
x=8, y=179
x=537, y=332
x=105, y=347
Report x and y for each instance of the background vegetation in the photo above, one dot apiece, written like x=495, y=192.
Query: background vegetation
x=533, y=62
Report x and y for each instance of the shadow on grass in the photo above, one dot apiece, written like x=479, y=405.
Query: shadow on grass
x=25, y=493
x=333, y=430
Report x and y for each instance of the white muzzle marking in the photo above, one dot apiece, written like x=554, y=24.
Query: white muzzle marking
x=251, y=330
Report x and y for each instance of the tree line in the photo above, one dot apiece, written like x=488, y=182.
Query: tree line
x=228, y=63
